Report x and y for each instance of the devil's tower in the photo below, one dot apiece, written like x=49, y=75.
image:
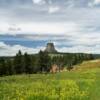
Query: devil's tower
x=50, y=48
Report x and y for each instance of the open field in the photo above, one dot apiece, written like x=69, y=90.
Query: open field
x=86, y=65
x=73, y=85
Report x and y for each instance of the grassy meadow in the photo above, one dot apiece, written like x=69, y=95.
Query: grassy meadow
x=73, y=85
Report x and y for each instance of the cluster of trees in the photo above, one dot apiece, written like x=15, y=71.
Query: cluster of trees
x=70, y=59
x=25, y=64
x=39, y=63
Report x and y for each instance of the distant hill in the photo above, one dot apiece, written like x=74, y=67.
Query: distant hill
x=52, y=54
x=88, y=65
x=96, y=56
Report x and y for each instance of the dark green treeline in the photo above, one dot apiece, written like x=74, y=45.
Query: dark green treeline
x=39, y=63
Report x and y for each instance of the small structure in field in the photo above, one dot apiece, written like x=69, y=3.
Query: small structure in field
x=54, y=69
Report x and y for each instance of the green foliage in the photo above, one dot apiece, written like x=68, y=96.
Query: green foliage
x=27, y=64
x=18, y=63
x=40, y=63
x=43, y=61
x=3, y=69
x=72, y=85
x=10, y=68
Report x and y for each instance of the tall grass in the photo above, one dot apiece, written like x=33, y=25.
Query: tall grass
x=74, y=85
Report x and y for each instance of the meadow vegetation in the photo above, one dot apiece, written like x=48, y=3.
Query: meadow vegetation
x=73, y=85
x=28, y=77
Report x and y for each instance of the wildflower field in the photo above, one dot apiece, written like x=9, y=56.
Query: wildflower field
x=73, y=85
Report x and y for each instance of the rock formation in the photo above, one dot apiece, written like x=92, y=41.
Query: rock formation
x=50, y=48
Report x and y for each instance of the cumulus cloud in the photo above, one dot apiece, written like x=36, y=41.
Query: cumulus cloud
x=53, y=9
x=45, y=37
x=14, y=28
x=69, y=23
x=64, y=43
x=81, y=40
x=96, y=1
x=37, y=1
x=8, y=50
x=40, y=2
x=81, y=49
x=40, y=28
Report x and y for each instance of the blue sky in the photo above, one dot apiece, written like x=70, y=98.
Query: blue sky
x=73, y=25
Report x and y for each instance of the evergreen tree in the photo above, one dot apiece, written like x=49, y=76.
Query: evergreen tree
x=10, y=67
x=44, y=61
x=18, y=63
x=28, y=64
x=35, y=64
x=2, y=67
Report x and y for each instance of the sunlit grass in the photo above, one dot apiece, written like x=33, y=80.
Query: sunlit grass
x=73, y=85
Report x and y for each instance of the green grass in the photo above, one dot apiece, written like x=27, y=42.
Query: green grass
x=73, y=85
x=86, y=65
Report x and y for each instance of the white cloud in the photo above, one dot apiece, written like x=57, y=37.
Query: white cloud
x=8, y=50
x=41, y=28
x=53, y=9
x=39, y=37
x=90, y=39
x=37, y=1
x=40, y=2
x=57, y=17
x=96, y=1
x=80, y=49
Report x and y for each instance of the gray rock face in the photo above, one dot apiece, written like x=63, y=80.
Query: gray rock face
x=50, y=48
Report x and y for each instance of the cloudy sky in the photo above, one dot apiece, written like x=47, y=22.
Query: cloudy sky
x=73, y=25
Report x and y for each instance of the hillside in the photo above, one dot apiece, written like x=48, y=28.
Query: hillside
x=92, y=64
x=73, y=85
x=83, y=83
